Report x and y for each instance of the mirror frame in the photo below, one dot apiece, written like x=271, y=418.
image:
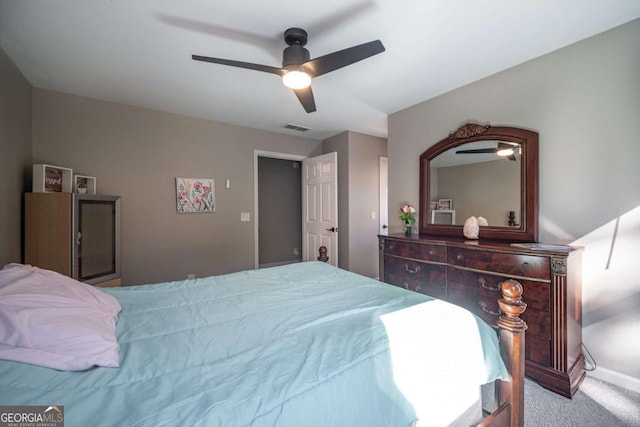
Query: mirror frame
x=471, y=132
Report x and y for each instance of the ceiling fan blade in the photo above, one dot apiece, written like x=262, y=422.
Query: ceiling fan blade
x=305, y=96
x=240, y=64
x=479, y=150
x=333, y=61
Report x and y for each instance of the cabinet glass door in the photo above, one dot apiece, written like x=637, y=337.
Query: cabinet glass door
x=96, y=238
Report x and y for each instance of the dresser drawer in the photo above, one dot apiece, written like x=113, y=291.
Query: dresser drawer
x=535, y=294
x=415, y=270
x=487, y=308
x=433, y=289
x=538, y=323
x=498, y=262
x=423, y=251
x=537, y=350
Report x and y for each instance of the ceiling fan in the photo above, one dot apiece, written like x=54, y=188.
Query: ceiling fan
x=502, y=150
x=297, y=67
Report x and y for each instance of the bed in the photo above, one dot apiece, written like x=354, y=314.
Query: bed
x=305, y=344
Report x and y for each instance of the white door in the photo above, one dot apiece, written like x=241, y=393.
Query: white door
x=320, y=207
x=384, y=195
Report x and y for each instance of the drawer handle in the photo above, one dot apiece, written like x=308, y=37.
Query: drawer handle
x=409, y=270
x=432, y=252
x=390, y=246
x=417, y=288
x=484, y=308
x=526, y=265
x=483, y=283
x=459, y=257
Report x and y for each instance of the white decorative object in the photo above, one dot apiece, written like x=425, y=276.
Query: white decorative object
x=471, y=229
x=51, y=179
x=482, y=221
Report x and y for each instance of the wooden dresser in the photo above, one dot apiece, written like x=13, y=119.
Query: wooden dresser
x=469, y=274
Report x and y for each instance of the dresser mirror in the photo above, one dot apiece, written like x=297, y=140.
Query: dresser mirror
x=481, y=171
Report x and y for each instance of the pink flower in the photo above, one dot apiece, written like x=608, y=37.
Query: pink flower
x=407, y=213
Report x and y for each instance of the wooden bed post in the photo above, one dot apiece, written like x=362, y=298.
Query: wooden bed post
x=323, y=254
x=510, y=394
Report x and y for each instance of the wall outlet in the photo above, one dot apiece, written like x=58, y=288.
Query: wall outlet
x=296, y=251
x=245, y=216
x=191, y=276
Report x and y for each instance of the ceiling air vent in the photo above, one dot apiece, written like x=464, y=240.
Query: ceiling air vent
x=295, y=127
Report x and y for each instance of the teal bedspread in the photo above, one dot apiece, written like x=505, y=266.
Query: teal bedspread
x=300, y=345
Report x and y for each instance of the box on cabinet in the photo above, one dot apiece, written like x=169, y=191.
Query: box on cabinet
x=51, y=179
x=83, y=184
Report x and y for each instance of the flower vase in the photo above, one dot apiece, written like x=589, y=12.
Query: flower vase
x=407, y=230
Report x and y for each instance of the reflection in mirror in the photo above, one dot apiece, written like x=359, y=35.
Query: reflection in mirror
x=481, y=178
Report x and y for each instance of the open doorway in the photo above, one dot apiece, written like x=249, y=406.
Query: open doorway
x=278, y=208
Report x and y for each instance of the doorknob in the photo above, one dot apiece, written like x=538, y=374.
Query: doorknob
x=385, y=226
x=332, y=229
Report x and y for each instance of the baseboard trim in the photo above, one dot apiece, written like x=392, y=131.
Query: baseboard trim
x=616, y=378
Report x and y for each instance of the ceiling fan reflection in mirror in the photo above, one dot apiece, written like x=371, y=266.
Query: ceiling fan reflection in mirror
x=298, y=69
x=503, y=149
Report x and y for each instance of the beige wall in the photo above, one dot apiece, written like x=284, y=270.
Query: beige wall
x=364, y=185
x=487, y=189
x=358, y=197
x=137, y=153
x=15, y=156
x=584, y=101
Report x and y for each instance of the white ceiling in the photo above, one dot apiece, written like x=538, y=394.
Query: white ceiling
x=138, y=52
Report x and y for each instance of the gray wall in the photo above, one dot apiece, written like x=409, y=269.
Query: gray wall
x=487, y=189
x=584, y=101
x=280, y=210
x=358, y=197
x=15, y=156
x=137, y=153
x=364, y=185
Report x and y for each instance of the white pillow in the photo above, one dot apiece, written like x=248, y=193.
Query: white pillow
x=51, y=320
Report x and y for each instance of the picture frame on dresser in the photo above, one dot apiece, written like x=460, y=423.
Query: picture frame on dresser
x=52, y=179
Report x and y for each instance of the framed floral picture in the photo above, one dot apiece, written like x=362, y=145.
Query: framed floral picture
x=195, y=195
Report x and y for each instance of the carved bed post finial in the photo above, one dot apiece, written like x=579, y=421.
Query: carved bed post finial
x=323, y=254
x=468, y=130
x=512, y=329
x=512, y=306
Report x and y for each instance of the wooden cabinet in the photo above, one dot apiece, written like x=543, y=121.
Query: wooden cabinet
x=470, y=273
x=77, y=235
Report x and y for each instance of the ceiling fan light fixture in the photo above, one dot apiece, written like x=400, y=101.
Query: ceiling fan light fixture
x=506, y=152
x=296, y=79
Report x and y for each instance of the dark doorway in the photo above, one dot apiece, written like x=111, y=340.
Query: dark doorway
x=279, y=211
